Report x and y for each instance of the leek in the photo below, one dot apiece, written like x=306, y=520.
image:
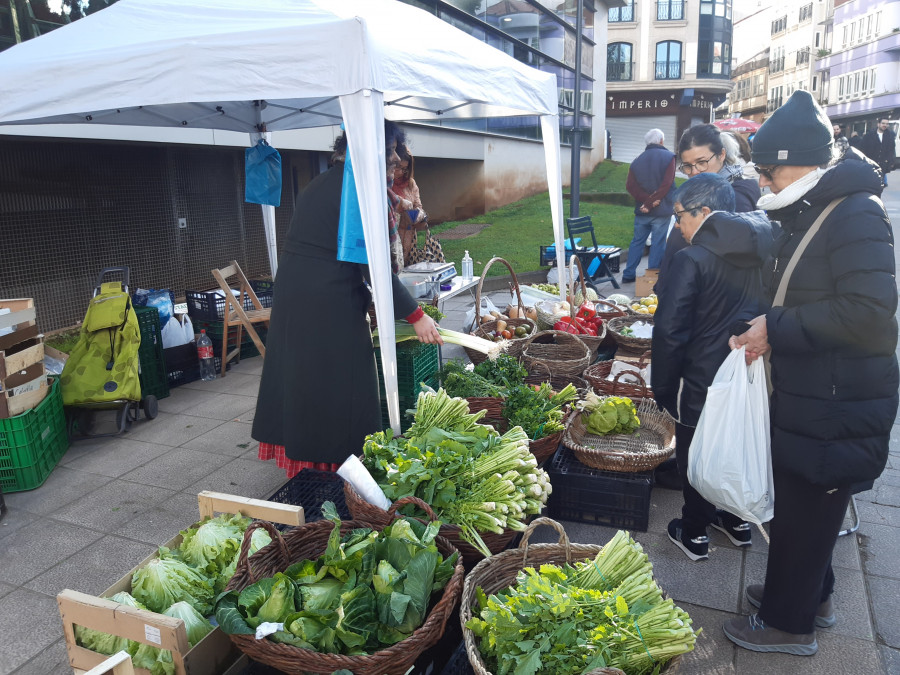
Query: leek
x=404, y=331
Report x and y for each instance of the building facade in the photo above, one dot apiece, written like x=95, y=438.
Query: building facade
x=749, y=98
x=76, y=199
x=668, y=67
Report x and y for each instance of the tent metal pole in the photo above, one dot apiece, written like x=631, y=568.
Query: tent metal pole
x=575, y=180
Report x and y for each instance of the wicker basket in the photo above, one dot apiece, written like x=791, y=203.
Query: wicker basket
x=626, y=341
x=499, y=572
x=545, y=319
x=493, y=405
x=308, y=542
x=643, y=450
x=598, y=373
x=376, y=517
x=608, y=310
x=563, y=353
x=484, y=329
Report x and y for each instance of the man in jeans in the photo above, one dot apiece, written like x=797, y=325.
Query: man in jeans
x=651, y=181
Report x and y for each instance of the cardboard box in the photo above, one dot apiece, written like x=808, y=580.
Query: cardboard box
x=213, y=655
x=21, y=359
x=643, y=285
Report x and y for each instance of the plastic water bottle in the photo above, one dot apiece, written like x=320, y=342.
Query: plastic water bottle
x=466, y=267
x=205, y=354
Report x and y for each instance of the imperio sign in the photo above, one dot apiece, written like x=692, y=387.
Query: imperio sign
x=620, y=104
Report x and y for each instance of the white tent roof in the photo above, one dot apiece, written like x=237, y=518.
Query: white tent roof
x=269, y=65
x=204, y=63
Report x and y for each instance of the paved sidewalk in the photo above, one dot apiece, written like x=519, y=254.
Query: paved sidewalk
x=112, y=501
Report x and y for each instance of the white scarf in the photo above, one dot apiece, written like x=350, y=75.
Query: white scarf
x=793, y=192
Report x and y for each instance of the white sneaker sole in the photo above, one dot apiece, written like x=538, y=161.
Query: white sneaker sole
x=821, y=621
x=693, y=556
x=796, y=649
x=724, y=530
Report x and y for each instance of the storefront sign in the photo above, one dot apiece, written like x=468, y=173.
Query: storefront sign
x=620, y=104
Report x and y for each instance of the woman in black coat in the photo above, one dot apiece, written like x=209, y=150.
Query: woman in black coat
x=715, y=284
x=833, y=362
x=318, y=397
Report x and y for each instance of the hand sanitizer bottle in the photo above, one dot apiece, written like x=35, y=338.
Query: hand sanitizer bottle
x=466, y=267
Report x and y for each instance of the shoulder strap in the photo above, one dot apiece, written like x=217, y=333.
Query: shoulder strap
x=795, y=258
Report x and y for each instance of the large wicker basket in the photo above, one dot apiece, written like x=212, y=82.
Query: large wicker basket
x=597, y=375
x=563, y=353
x=493, y=407
x=499, y=572
x=377, y=517
x=541, y=373
x=643, y=450
x=629, y=342
x=483, y=330
x=308, y=542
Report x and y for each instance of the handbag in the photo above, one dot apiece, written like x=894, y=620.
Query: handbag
x=432, y=251
x=730, y=460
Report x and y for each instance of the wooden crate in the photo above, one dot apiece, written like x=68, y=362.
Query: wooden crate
x=21, y=358
x=213, y=655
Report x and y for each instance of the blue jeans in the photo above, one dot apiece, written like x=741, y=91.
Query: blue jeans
x=643, y=226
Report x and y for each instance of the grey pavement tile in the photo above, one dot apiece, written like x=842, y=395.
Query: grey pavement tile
x=84, y=447
x=664, y=506
x=247, y=417
x=713, y=652
x=62, y=487
x=172, y=429
x=890, y=658
x=889, y=477
x=13, y=519
x=180, y=398
x=245, y=477
x=250, y=366
x=29, y=624
x=232, y=383
x=222, y=407
x=879, y=514
x=157, y=524
x=118, y=457
x=884, y=593
x=6, y=588
x=882, y=493
x=113, y=504
x=93, y=569
x=851, y=603
x=232, y=439
x=837, y=654
x=176, y=469
x=879, y=548
x=51, y=661
x=37, y=547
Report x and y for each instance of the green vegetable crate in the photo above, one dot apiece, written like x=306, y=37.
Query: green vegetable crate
x=587, y=495
x=416, y=363
x=213, y=655
x=31, y=444
x=153, y=364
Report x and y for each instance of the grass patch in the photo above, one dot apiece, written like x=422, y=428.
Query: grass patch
x=65, y=341
x=518, y=230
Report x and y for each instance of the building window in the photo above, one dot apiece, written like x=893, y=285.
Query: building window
x=806, y=12
x=775, y=97
x=869, y=26
x=802, y=56
x=818, y=39
x=618, y=62
x=668, y=60
x=622, y=14
x=815, y=80
x=716, y=8
x=670, y=10
x=776, y=61
x=713, y=58
x=779, y=25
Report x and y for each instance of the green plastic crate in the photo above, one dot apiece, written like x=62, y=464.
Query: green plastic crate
x=416, y=362
x=153, y=364
x=31, y=444
x=406, y=403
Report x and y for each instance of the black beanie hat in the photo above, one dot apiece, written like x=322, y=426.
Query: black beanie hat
x=799, y=133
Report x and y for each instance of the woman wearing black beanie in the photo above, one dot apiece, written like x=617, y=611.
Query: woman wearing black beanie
x=832, y=336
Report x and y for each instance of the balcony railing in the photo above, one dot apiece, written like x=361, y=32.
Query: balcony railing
x=670, y=10
x=773, y=104
x=619, y=72
x=776, y=65
x=668, y=70
x=622, y=14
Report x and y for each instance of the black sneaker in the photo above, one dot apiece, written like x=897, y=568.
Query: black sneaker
x=733, y=527
x=695, y=548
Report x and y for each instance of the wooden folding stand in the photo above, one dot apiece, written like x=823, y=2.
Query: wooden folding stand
x=236, y=315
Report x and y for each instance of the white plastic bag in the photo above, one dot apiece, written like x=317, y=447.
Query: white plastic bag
x=172, y=334
x=188, y=327
x=730, y=460
x=486, y=308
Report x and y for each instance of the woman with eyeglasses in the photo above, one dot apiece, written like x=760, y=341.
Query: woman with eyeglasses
x=704, y=148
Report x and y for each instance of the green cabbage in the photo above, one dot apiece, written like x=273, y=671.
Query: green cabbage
x=104, y=643
x=197, y=626
x=164, y=581
x=157, y=661
x=258, y=539
x=214, y=544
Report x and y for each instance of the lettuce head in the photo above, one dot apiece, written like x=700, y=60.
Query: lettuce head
x=196, y=625
x=166, y=580
x=104, y=643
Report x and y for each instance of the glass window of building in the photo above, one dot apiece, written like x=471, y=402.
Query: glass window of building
x=621, y=14
x=670, y=10
x=668, y=60
x=618, y=62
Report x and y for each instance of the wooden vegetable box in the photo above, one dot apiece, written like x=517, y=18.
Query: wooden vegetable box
x=213, y=655
x=21, y=358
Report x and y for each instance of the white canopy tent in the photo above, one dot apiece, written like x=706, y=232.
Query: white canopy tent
x=272, y=65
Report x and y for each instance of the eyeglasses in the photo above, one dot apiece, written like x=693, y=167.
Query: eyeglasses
x=767, y=172
x=678, y=214
x=699, y=166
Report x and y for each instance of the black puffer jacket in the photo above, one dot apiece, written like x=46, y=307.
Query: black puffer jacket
x=834, y=368
x=714, y=283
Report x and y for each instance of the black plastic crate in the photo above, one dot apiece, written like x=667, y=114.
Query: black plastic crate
x=154, y=381
x=183, y=364
x=548, y=257
x=264, y=286
x=210, y=305
x=215, y=329
x=587, y=495
x=310, y=489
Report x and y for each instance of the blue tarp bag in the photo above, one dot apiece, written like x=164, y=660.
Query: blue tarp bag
x=351, y=243
x=262, y=170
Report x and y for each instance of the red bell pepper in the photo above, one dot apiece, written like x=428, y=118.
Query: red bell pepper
x=584, y=327
x=586, y=311
x=566, y=325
